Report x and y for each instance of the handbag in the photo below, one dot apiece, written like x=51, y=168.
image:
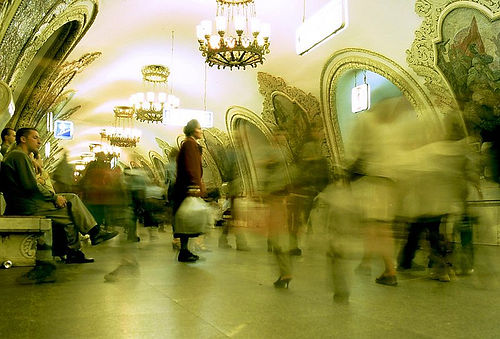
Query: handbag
x=193, y=216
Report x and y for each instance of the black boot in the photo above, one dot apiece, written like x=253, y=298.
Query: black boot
x=77, y=257
x=186, y=256
x=98, y=236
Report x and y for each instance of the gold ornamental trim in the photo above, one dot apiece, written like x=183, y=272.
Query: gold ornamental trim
x=234, y=116
x=155, y=73
x=124, y=112
x=235, y=2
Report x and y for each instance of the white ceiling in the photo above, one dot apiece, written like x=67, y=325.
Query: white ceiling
x=134, y=33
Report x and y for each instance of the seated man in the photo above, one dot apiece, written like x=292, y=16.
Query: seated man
x=25, y=196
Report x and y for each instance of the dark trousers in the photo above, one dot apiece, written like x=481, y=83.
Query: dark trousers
x=415, y=230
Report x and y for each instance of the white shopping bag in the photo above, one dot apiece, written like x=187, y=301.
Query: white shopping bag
x=193, y=216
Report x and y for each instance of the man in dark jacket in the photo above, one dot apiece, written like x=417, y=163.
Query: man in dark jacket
x=24, y=196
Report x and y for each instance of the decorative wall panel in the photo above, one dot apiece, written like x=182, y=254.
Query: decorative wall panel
x=449, y=29
x=36, y=27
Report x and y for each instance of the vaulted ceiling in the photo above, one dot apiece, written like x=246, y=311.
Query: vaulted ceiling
x=134, y=33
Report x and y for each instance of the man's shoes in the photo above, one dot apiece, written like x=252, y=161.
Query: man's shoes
x=295, y=251
x=43, y=272
x=341, y=298
x=77, y=257
x=43, y=247
x=187, y=256
x=102, y=236
x=224, y=245
x=389, y=280
x=414, y=267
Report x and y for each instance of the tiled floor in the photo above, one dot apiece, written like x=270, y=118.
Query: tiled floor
x=230, y=294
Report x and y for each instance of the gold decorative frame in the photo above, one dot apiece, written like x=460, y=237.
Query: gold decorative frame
x=355, y=58
x=158, y=172
x=222, y=140
x=234, y=115
x=165, y=147
x=270, y=87
x=27, y=26
x=422, y=56
x=208, y=162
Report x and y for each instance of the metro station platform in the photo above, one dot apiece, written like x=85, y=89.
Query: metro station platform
x=230, y=293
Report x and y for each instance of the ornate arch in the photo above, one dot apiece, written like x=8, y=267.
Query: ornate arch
x=271, y=87
x=158, y=164
x=355, y=58
x=422, y=57
x=218, y=145
x=234, y=116
x=30, y=29
x=165, y=147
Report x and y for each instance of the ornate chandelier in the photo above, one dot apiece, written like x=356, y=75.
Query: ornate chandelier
x=122, y=134
x=241, y=39
x=149, y=106
x=109, y=152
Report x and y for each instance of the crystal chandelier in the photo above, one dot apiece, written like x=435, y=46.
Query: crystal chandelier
x=149, y=106
x=122, y=134
x=109, y=151
x=241, y=39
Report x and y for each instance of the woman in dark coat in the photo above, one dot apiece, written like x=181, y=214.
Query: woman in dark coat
x=188, y=182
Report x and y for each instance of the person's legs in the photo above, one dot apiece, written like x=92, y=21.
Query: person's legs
x=384, y=246
x=241, y=240
x=294, y=220
x=415, y=229
x=82, y=218
x=341, y=276
x=184, y=254
x=61, y=219
x=440, y=267
x=222, y=243
x=278, y=228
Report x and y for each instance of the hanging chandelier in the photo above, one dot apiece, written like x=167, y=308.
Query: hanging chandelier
x=109, y=152
x=122, y=134
x=149, y=105
x=241, y=39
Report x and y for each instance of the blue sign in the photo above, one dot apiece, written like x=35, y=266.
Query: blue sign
x=63, y=129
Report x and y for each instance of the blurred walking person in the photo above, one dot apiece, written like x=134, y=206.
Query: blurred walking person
x=188, y=183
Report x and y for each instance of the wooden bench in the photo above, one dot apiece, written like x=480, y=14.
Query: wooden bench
x=18, y=238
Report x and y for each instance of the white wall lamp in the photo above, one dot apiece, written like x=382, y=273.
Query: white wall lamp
x=360, y=96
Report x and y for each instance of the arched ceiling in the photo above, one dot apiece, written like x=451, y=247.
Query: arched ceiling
x=134, y=33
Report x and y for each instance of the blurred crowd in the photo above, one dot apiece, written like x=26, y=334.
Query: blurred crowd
x=398, y=173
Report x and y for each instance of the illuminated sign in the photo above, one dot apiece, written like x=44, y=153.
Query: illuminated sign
x=180, y=117
x=360, y=98
x=329, y=20
x=63, y=129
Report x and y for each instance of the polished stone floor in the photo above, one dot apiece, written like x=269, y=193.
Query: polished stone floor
x=229, y=293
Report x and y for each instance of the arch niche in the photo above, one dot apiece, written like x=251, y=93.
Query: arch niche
x=349, y=60
x=250, y=136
